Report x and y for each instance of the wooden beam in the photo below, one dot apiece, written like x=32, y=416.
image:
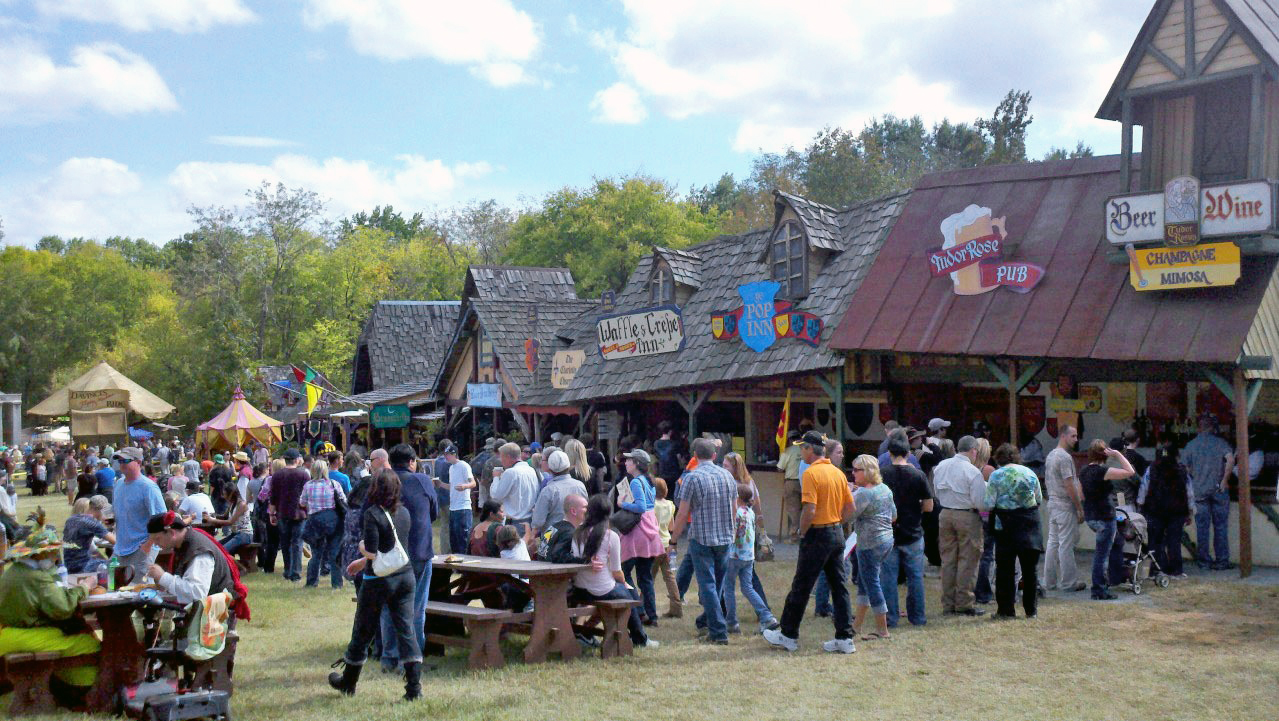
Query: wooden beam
x=1011, y=385
x=1241, y=473
x=993, y=366
x=1223, y=385
x=1256, y=127
x=1167, y=61
x=522, y=422
x=1125, y=144
x=1214, y=51
x=1254, y=392
x=1189, y=36
x=1029, y=374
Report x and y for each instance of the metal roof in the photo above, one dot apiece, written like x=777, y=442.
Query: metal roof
x=1084, y=308
x=738, y=259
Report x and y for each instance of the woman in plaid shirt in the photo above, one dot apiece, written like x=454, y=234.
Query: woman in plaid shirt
x=323, y=529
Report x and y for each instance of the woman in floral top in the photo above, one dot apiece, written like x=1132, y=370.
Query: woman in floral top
x=1013, y=496
x=873, y=516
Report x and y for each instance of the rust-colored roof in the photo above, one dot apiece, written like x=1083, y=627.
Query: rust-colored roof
x=1084, y=308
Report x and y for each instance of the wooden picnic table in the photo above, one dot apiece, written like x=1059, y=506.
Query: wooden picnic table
x=121, y=659
x=549, y=583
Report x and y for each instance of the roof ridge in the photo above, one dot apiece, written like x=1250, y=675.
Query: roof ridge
x=520, y=267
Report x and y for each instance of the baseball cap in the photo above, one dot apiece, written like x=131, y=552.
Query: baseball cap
x=131, y=453
x=101, y=505
x=450, y=450
x=812, y=438
x=535, y=446
x=937, y=424
x=558, y=462
x=290, y=455
x=639, y=454
x=490, y=444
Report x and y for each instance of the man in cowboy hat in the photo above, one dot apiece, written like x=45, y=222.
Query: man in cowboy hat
x=200, y=566
x=39, y=615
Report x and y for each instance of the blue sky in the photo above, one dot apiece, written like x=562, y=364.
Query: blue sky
x=117, y=115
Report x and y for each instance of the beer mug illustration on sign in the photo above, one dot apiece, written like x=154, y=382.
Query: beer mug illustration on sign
x=972, y=225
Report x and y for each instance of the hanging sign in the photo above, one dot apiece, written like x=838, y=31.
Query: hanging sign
x=396, y=416
x=1181, y=211
x=564, y=367
x=645, y=332
x=972, y=253
x=531, y=347
x=608, y=301
x=484, y=395
x=1225, y=209
x=97, y=400
x=609, y=425
x=761, y=320
x=1202, y=266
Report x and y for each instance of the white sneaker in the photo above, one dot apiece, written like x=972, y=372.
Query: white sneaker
x=777, y=639
x=839, y=645
x=651, y=643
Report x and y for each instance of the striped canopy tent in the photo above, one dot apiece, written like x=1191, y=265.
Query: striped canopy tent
x=231, y=429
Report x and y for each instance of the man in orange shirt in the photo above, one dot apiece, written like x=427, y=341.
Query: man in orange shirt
x=826, y=504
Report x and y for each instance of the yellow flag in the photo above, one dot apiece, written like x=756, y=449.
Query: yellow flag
x=783, y=426
x=313, y=395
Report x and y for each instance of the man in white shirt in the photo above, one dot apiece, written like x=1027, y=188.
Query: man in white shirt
x=516, y=489
x=197, y=504
x=961, y=493
x=461, y=481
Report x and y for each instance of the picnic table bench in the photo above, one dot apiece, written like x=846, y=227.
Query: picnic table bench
x=28, y=676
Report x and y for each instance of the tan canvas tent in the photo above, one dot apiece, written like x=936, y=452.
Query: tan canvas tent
x=103, y=377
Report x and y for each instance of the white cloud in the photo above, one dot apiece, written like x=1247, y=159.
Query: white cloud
x=491, y=37
x=103, y=77
x=784, y=74
x=619, y=103
x=181, y=16
x=249, y=141
x=99, y=197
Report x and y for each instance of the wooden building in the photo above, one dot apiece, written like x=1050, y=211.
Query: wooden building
x=1105, y=292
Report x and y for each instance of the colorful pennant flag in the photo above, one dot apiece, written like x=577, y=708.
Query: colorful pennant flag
x=783, y=426
x=313, y=392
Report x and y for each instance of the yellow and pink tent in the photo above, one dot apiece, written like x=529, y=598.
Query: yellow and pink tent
x=239, y=422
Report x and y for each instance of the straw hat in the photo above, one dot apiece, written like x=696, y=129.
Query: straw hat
x=240, y=456
x=38, y=542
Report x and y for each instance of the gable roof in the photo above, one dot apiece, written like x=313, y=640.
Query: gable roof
x=686, y=266
x=738, y=260
x=402, y=341
x=1083, y=308
x=1257, y=19
x=821, y=222
x=519, y=283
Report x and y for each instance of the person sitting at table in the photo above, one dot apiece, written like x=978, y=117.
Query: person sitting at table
x=512, y=546
x=197, y=505
x=198, y=566
x=604, y=581
x=37, y=615
x=483, y=541
x=84, y=525
x=239, y=524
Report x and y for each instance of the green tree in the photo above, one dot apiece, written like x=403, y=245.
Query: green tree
x=1081, y=151
x=600, y=233
x=385, y=218
x=1006, y=129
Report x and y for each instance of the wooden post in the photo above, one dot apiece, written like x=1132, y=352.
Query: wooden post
x=1125, y=146
x=1012, y=403
x=1241, y=472
x=840, y=423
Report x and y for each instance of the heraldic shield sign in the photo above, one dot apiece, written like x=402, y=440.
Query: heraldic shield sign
x=756, y=326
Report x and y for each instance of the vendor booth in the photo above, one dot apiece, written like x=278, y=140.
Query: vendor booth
x=99, y=403
x=235, y=426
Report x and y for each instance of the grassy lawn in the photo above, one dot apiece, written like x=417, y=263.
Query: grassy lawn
x=1196, y=651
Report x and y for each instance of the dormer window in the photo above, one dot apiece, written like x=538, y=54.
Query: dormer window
x=661, y=285
x=789, y=259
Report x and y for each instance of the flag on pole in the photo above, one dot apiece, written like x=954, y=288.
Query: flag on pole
x=313, y=392
x=783, y=426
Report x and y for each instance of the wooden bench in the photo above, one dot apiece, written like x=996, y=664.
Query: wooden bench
x=617, y=639
x=248, y=557
x=28, y=674
x=218, y=672
x=483, y=631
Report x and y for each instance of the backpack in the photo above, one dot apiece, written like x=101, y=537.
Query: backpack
x=555, y=545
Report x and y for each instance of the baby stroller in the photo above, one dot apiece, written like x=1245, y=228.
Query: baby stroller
x=1140, y=565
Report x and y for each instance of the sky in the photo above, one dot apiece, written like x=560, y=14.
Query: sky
x=117, y=116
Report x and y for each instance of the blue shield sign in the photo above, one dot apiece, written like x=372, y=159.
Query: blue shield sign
x=756, y=324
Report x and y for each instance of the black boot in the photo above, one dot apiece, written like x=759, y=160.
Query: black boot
x=345, y=681
x=413, y=681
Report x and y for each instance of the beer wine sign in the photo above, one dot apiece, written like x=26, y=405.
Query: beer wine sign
x=972, y=254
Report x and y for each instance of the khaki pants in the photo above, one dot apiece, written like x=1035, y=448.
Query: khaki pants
x=959, y=536
x=662, y=564
x=1060, y=569
x=791, y=503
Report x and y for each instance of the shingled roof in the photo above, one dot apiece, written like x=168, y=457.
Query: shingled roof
x=519, y=283
x=403, y=341
x=859, y=231
x=821, y=222
x=686, y=266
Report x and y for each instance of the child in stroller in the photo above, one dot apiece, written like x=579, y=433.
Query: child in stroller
x=1139, y=561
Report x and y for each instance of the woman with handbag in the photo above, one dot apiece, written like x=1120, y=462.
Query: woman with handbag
x=388, y=582
x=637, y=524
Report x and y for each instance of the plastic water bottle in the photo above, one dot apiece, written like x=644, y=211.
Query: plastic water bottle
x=62, y=574
x=112, y=565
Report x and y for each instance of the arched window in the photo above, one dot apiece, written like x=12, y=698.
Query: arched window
x=789, y=259
x=661, y=285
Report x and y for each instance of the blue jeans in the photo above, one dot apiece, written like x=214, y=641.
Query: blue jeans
x=1213, y=512
x=984, y=592
x=291, y=545
x=634, y=626
x=1109, y=552
x=324, y=534
x=911, y=558
x=744, y=572
x=642, y=581
x=870, y=563
x=821, y=592
x=684, y=574
x=390, y=647
x=233, y=542
x=459, y=530
x=709, y=564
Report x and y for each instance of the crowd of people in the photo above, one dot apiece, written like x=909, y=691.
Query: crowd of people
x=924, y=500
